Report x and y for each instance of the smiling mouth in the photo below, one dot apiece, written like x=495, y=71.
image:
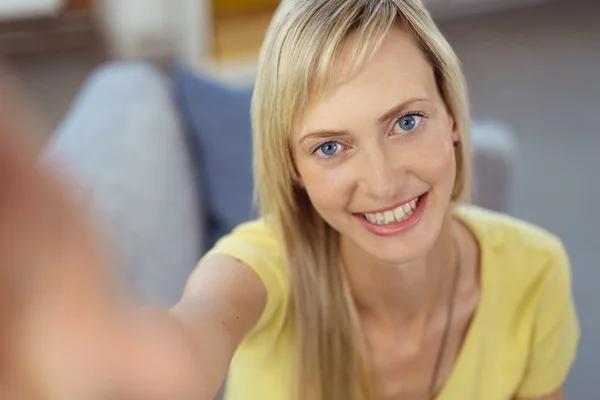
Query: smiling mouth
x=399, y=214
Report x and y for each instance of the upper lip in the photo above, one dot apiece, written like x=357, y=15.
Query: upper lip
x=382, y=210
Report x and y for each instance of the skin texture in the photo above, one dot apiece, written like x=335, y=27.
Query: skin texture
x=380, y=165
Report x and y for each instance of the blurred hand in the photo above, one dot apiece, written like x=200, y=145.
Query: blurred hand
x=64, y=331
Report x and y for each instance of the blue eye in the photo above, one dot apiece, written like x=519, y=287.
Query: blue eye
x=408, y=123
x=329, y=149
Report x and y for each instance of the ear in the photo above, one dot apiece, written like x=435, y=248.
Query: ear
x=296, y=177
x=456, y=135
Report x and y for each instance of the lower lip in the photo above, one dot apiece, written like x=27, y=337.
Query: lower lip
x=395, y=228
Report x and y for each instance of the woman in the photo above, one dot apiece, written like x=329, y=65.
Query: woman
x=366, y=277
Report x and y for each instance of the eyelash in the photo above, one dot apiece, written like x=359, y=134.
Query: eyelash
x=396, y=120
x=412, y=114
x=317, y=147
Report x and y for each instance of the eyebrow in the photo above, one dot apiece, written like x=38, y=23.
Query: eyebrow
x=323, y=134
x=399, y=108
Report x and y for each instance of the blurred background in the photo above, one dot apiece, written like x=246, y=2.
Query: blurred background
x=532, y=67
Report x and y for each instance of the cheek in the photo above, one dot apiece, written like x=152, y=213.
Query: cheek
x=328, y=188
x=436, y=160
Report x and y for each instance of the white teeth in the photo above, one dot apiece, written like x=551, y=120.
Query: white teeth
x=399, y=214
x=389, y=217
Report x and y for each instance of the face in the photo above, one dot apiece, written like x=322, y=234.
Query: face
x=376, y=154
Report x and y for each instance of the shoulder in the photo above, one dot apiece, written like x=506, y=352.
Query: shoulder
x=516, y=238
x=520, y=251
x=528, y=268
x=526, y=284
x=256, y=246
x=252, y=242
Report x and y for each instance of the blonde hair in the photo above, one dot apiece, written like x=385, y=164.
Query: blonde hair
x=296, y=64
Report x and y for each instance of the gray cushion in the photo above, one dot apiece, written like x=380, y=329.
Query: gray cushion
x=125, y=147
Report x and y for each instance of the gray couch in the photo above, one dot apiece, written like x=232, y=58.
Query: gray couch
x=130, y=160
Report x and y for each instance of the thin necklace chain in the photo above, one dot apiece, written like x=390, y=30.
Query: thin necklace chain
x=450, y=313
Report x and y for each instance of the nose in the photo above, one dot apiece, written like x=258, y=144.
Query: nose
x=382, y=176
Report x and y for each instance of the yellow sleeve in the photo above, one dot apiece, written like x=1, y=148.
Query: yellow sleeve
x=555, y=332
x=254, y=244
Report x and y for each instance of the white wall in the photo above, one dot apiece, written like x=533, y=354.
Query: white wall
x=157, y=28
x=454, y=8
x=28, y=8
x=192, y=23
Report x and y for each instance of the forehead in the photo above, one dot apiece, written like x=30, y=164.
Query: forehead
x=397, y=72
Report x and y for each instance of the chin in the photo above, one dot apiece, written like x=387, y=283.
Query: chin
x=402, y=249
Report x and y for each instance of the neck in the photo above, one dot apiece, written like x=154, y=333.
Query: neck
x=405, y=293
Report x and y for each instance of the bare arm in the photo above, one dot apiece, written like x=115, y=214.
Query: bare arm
x=184, y=353
x=65, y=331
x=222, y=301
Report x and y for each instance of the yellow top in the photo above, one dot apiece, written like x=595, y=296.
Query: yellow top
x=521, y=342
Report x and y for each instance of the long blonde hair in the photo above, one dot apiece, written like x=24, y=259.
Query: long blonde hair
x=296, y=65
